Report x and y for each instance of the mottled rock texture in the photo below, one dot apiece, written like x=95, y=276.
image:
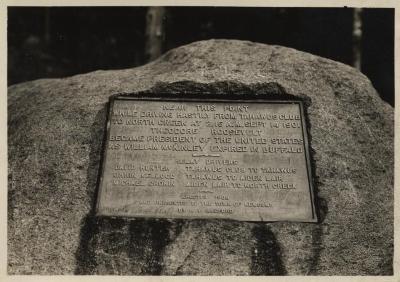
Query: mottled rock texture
x=55, y=134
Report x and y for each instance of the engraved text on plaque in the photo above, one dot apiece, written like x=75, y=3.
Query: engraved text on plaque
x=243, y=160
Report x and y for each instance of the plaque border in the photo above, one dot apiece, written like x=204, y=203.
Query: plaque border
x=240, y=99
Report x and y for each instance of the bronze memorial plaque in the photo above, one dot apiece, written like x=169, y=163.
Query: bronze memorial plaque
x=229, y=159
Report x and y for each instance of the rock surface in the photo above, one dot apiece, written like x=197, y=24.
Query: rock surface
x=55, y=133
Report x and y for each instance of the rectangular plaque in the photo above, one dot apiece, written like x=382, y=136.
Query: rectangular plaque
x=228, y=159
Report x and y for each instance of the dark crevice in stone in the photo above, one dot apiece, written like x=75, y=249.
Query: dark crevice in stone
x=266, y=256
x=316, y=250
x=85, y=257
x=216, y=90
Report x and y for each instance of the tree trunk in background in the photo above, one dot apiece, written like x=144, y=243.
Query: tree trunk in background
x=47, y=26
x=357, y=37
x=154, y=32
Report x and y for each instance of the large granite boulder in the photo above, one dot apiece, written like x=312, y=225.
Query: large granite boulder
x=55, y=134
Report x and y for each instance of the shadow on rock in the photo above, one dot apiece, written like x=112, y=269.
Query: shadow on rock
x=116, y=246
x=122, y=247
x=266, y=258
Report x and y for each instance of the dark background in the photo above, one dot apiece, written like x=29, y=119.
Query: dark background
x=63, y=41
